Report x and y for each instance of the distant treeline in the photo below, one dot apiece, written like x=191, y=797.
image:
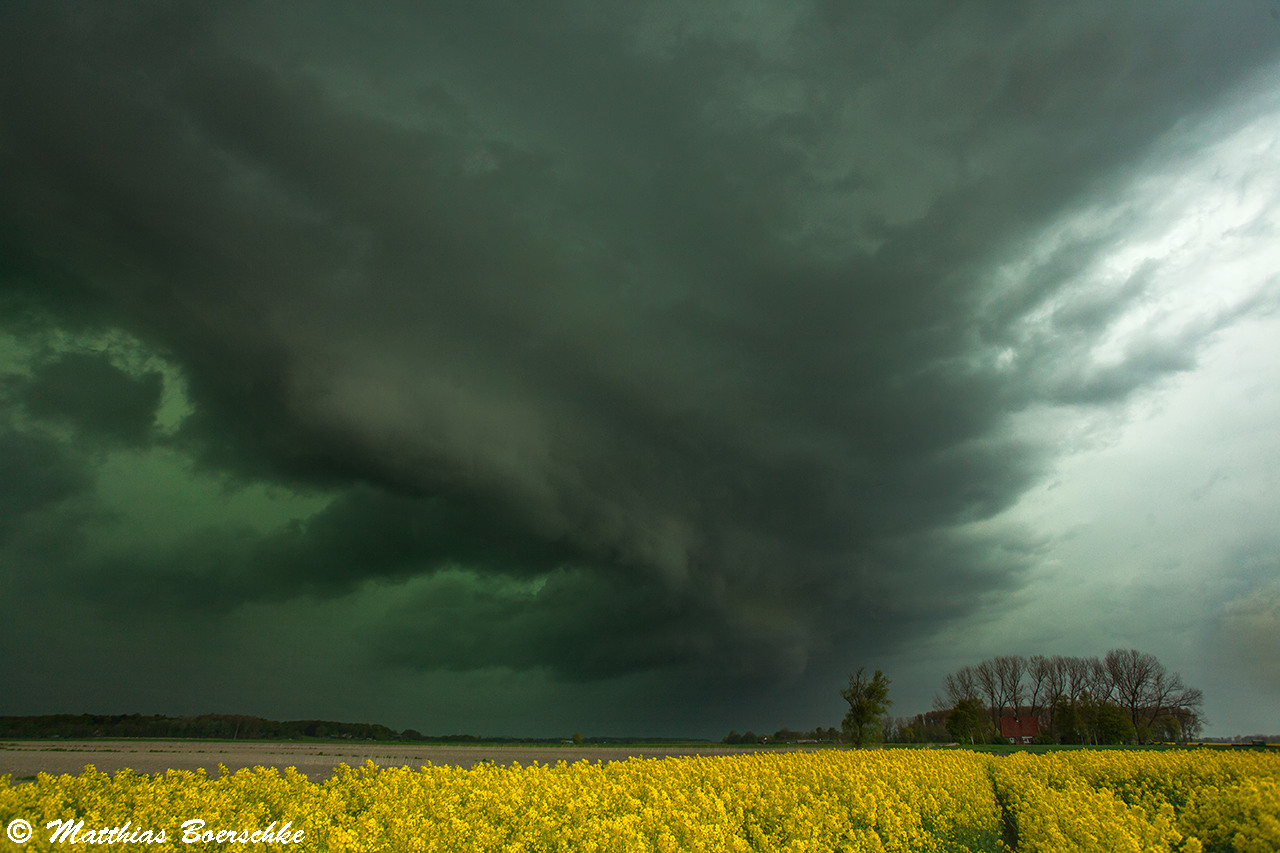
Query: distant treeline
x=214, y=726
x=1243, y=739
x=784, y=735
x=1126, y=696
x=240, y=727
x=1123, y=697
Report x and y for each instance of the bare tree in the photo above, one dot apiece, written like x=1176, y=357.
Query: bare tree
x=1134, y=676
x=1055, y=688
x=1009, y=672
x=1125, y=694
x=1168, y=696
x=1076, y=675
x=989, y=683
x=1190, y=720
x=1098, y=682
x=1058, y=685
x=958, y=686
x=1039, y=672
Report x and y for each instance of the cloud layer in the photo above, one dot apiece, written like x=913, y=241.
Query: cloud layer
x=614, y=342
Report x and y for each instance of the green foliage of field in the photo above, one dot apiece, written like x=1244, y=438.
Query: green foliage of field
x=854, y=801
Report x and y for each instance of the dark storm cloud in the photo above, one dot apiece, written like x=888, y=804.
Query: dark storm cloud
x=96, y=397
x=576, y=624
x=36, y=473
x=363, y=535
x=688, y=317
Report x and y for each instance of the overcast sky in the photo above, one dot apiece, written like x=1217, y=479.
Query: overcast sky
x=623, y=368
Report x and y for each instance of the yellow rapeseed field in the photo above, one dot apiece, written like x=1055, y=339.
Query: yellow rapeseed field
x=1116, y=802
x=835, y=800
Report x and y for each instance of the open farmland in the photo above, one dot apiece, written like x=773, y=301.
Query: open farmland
x=24, y=759
x=830, y=800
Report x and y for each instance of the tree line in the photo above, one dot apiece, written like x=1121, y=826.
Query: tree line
x=863, y=724
x=785, y=735
x=242, y=727
x=1126, y=696
x=210, y=726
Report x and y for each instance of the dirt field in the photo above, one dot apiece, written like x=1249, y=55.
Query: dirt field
x=23, y=759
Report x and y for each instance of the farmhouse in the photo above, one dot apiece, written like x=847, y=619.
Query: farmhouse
x=1019, y=729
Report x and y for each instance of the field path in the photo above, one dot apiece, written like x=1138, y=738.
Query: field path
x=317, y=760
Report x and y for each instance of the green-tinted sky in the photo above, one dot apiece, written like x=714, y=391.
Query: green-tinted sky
x=632, y=368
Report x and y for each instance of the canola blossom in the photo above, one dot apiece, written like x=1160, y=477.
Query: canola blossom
x=833, y=800
x=1116, y=802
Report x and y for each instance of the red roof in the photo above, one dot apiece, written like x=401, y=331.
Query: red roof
x=1019, y=727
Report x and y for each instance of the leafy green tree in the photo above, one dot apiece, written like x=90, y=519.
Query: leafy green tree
x=968, y=721
x=868, y=698
x=1068, y=723
x=1114, y=725
x=908, y=731
x=1105, y=722
x=1167, y=729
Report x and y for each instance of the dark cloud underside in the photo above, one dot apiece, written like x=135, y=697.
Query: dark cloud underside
x=620, y=339
x=94, y=396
